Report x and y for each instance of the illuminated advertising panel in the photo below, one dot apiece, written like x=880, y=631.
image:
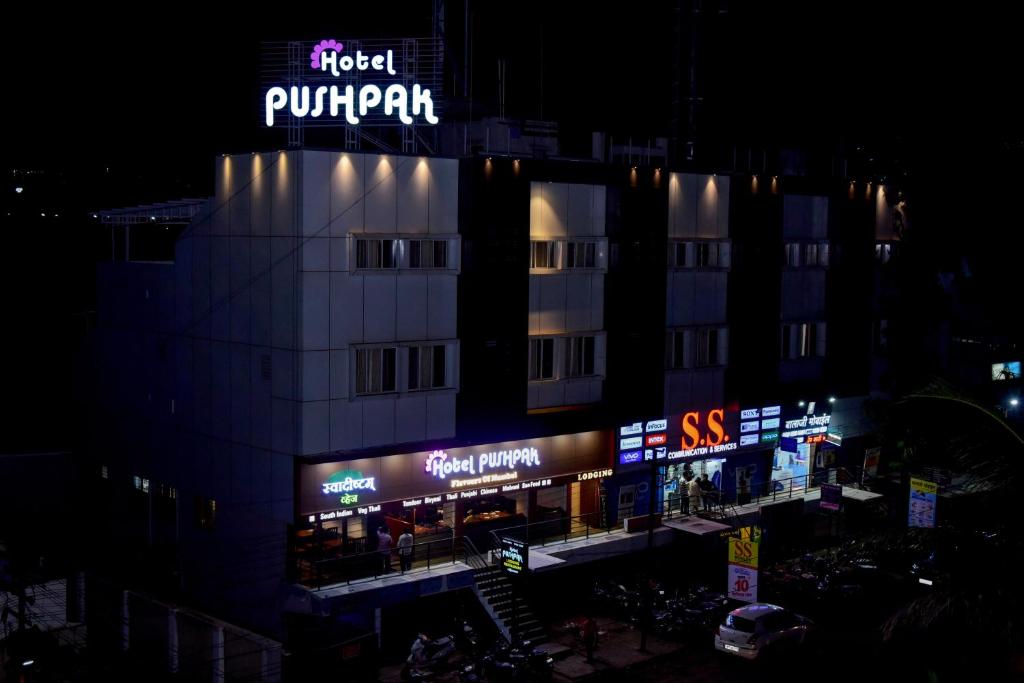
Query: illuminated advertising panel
x=445, y=475
x=352, y=82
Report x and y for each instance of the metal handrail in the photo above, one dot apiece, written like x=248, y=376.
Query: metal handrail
x=762, y=490
x=573, y=526
x=371, y=563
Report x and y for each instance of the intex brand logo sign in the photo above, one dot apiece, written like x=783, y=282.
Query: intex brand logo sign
x=327, y=58
x=440, y=465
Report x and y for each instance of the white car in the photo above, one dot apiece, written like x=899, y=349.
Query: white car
x=748, y=631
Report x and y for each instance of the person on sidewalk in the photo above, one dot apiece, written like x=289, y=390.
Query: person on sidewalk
x=405, y=542
x=694, y=491
x=384, y=548
x=707, y=492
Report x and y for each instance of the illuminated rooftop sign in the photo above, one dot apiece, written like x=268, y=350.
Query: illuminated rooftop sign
x=350, y=86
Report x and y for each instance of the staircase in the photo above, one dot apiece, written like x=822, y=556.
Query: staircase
x=509, y=611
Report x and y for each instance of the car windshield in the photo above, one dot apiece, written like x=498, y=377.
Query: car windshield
x=739, y=624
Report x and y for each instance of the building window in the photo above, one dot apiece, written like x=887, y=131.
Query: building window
x=702, y=348
x=679, y=253
x=206, y=513
x=678, y=346
x=707, y=348
x=104, y=472
x=141, y=484
x=376, y=253
x=427, y=369
x=803, y=340
x=704, y=254
x=581, y=255
x=883, y=251
x=811, y=254
x=428, y=253
x=542, y=255
x=579, y=356
x=542, y=358
x=375, y=370
x=793, y=255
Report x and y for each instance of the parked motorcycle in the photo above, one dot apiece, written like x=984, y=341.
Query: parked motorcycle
x=427, y=657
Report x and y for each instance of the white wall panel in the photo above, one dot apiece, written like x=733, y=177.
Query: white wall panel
x=346, y=309
x=444, y=196
x=414, y=305
x=381, y=193
x=413, y=180
x=315, y=427
x=347, y=183
x=316, y=375
x=379, y=307
x=442, y=303
x=315, y=311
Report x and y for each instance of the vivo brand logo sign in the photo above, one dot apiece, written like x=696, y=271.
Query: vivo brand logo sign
x=629, y=457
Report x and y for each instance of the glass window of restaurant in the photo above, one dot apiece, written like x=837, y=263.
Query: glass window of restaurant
x=677, y=476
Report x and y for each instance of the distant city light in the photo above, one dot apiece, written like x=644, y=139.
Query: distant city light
x=28, y=662
x=831, y=399
x=801, y=404
x=19, y=190
x=1014, y=402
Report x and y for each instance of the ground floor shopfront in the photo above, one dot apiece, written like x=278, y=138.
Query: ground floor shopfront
x=440, y=495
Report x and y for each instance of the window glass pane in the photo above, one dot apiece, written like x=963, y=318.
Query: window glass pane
x=591, y=255
x=361, y=363
x=388, y=370
x=712, y=347
x=681, y=254
x=588, y=355
x=414, y=253
x=548, y=358
x=570, y=255
x=374, y=371
x=534, y=358
x=440, y=253
x=439, y=367
x=361, y=254
x=677, y=349
x=388, y=253
x=414, y=368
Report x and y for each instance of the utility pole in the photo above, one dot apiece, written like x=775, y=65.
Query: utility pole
x=647, y=592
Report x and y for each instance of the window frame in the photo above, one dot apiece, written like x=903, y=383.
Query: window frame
x=364, y=376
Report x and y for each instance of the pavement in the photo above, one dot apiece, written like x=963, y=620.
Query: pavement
x=618, y=648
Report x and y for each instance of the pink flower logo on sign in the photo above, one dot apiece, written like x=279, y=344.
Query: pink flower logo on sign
x=314, y=56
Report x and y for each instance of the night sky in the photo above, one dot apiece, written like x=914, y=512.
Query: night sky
x=120, y=110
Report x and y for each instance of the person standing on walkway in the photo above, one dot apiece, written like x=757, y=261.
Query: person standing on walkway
x=384, y=548
x=694, y=490
x=743, y=490
x=707, y=492
x=405, y=550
